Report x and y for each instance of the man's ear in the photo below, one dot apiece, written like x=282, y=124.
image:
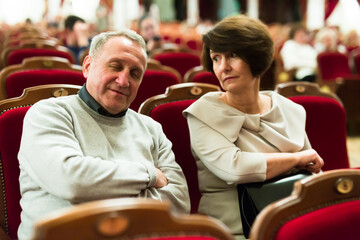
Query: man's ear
x=86, y=66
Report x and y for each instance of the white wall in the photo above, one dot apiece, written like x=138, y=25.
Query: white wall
x=346, y=15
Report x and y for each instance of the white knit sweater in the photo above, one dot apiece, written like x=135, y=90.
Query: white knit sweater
x=70, y=154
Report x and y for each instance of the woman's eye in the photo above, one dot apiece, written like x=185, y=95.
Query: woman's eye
x=233, y=55
x=215, y=58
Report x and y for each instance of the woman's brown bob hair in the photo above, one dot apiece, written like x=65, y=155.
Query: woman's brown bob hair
x=247, y=37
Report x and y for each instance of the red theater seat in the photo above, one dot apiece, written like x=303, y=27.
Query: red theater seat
x=38, y=71
x=200, y=75
x=153, y=83
x=167, y=110
x=322, y=206
x=181, y=61
x=326, y=129
x=12, y=112
x=325, y=121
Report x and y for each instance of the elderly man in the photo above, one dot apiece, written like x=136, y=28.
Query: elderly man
x=91, y=146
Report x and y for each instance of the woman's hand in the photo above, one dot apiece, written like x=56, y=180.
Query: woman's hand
x=309, y=160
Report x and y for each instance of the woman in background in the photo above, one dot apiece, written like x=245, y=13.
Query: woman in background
x=243, y=135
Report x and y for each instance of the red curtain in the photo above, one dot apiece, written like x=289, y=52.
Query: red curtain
x=329, y=7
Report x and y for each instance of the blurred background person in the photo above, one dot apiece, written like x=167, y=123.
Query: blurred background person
x=351, y=40
x=148, y=7
x=77, y=35
x=149, y=29
x=326, y=40
x=103, y=17
x=298, y=54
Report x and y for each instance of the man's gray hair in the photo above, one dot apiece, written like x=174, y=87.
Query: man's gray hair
x=99, y=40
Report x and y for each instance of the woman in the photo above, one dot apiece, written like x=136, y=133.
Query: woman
x=243, y=135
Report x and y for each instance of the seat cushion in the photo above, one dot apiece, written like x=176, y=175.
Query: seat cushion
x=339, y=221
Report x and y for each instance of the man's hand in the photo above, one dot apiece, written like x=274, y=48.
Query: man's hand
x=161, y=179
x=82, y=33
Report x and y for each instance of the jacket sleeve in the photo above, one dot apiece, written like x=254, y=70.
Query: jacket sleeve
x=222, y=157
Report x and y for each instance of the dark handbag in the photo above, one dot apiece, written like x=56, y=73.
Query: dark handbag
x=253, y=197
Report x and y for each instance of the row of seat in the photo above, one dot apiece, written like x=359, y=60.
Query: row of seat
x=14, y=78
x=323, y=206
x=323, y=113
x=346, y=86
x=31, y=41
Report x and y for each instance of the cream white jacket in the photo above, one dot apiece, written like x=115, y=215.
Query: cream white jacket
x=229, y=148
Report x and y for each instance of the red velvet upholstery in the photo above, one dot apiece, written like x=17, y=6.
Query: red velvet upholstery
x=194, y=44
x=339, y=221
x=206, y=77
x=181, y=61
x=181, y=238
x=326, y=129
x=357, y=61
x=154, y=82
x=17, y=82
x=16, y=56
x=10, y=134
x=332, y=65
x=174, y=124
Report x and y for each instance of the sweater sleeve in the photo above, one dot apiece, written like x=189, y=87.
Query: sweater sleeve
x=176, y=191
x=51, y=155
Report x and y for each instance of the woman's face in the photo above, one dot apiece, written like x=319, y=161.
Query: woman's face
x=232, y=72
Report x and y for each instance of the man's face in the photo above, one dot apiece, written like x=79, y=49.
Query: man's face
x=115, y=74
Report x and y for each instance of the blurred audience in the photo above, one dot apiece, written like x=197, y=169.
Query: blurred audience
x=103, y=15
x=351, y=40
x=298, y=54
x=148, y=28
x=77, y=35
x=148, y=7
x=326, y=40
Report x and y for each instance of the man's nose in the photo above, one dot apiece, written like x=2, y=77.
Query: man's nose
x=123, y=78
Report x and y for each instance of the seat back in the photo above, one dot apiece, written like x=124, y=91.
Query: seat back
x=181, y=61
x=153, y=83
x=153, y=64
x=200, y=75
x=38, y=71
x=333, y=65
x=16, y=54
x=303, y=88
x=322, y=206
x=12, y=112
x=326, y=129
x=128, y=218
x=167, y=110
x=356, y=60
x=325, y=121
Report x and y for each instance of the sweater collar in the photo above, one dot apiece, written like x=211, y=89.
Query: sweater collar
x=94, y=105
